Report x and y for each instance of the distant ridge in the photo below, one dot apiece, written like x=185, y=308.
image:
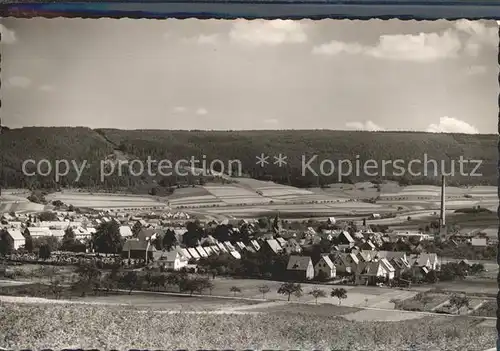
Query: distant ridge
x=81, y=143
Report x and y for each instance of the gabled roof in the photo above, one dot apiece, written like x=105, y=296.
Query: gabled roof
x=184, y=252
x=255, y=245
x=347, y=236
x=392, y=254
x=370, y=244
x=372, y=268
x=221, y=247
x=235, y=254
x=250, y=249
x=145, y=234
x=240, y=245
x=327, y=260
x=387, y=265
x=274, y=246
x=298, y=263
x=194, y=254
x=281, y=241
x=137, y=245
x=201, y=251
x=229, y=246
x=15, y=234
x=208, y=250
x=215, y=249
x=171, y=256
x=125, y=231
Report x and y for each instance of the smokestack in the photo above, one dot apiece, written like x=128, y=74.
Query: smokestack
x=443, y=200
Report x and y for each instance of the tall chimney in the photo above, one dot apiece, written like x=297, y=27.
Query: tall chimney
x=443, y=200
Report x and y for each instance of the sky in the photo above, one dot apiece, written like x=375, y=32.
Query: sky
x=439, y=76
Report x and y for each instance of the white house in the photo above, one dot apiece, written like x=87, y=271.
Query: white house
x=300, y=267
x=173, y=260
x=17, y=238
x=125, y=231
x=326, y=266
x=479, y=242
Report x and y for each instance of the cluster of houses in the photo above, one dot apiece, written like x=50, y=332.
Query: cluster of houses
x=83, y=226
x=358, y=254
x=367, y=265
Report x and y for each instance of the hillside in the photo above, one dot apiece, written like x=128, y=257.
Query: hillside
x=94, y=145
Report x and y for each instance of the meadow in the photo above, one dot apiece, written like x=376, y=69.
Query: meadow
x=103, y=327
x=103, y=201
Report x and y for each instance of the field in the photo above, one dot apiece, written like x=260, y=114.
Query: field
x=105, y=201
x=18, y=203
x=27, y=325
x=248, y=197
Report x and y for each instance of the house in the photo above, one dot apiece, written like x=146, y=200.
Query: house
x=331, y=221
x=346, y=263
x=57, y=233
x=208, y=250
x=240, y=245
x=368, y=245
x=222, y=248
x=235, y=254
x=16, y=238
x=37, y=232
x=194, y=254
x=183, y=252
x=215, y=249
x=255, y=245
x=345, y=238
x=173, y=260
x=125, y=231
x=479, y=242
x=300, y=268
x=429, y=260
x=201, y=251
x=281, y=241
x=371, y=273
x=325, y=268
x=292, y=246
x=273, y=246
x=388, y=267
x=145, y=234
x=229, y=246
x=136, y=249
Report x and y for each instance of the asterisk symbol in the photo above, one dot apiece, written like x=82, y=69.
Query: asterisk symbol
x=280, y=160
x=262, y=160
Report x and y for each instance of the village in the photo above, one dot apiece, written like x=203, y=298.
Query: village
x=334, y=252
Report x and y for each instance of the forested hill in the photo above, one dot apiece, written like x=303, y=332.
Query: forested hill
x=81, y=144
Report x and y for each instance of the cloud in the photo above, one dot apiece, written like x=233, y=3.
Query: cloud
x=210, y=39
x=337, y=47
x=423, y=47
x=478, y=36
x=368, y=126
x=19, y=82
x=8, y=36
x=468, y=37
x=201, y=111
x=271, y=121
x=179, y=109
x=271, y=33
x=452, y=125
x=46, y=88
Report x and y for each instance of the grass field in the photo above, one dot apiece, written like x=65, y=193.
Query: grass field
x=103, y=201
x=104, y=327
